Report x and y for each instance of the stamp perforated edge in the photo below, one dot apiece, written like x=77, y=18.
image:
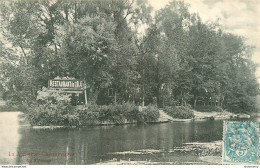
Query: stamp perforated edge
x=223, y=144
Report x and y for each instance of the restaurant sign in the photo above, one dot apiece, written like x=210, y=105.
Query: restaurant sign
x=66, y=84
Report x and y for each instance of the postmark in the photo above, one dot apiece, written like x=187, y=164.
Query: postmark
x=240, y=142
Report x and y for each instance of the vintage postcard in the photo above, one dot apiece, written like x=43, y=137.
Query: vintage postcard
x=129, y=82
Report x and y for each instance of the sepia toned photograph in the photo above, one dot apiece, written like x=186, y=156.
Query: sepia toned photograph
x=129, y=82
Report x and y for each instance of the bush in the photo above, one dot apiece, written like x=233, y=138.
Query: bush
x=118, y=113
x=149, y=114
x=52, y=114
x=208, y=108
x=8, y=108
x=52, y=96
x=181, y=112
x=88, y=118
x=242, y=104
x=62, y=114
x=111, y=113
x=130, y=111
x=17, y=98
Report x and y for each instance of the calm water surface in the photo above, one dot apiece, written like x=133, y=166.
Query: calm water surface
x=95, y=144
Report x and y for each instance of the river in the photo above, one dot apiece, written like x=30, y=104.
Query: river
x=22, y=144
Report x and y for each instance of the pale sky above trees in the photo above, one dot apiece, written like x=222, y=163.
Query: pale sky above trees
x=241, y=17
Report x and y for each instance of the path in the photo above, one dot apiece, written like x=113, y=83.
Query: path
x=164, y=117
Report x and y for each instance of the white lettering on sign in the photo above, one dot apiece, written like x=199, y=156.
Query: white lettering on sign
x=66, y=84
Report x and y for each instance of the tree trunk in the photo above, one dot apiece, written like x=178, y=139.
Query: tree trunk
x=163, y=102
x=115, y=97
x=25, y=56
x=181, y=99
x=75, y=15
x=85, y=94
x=195, y=103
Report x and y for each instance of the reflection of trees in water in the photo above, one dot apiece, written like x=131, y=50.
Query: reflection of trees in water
x=61, y=141
x=92, y=144
x=205, y=131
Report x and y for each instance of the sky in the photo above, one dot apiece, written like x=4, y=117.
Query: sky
x=241, y=17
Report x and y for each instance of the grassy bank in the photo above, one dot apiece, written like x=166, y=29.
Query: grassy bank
x=66, y=115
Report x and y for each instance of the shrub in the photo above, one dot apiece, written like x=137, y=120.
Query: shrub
x=130, y=111
x=111, y=113
x=118, y=113
x=16, y=98
x=62, y=114
x=51, y=114
x=181, y=112
x=87, y=116
x=9, y=108
x=151, y=113
x=52, y=96
x=208, y=108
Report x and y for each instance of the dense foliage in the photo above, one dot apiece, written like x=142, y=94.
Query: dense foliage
x=179, y=60
x=52, y=96
x=7, y=108
x=181, y=112
x=66, y=115
x=149, y=114
x=52, y=114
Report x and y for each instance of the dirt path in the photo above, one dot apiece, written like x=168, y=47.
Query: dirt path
x=164, y=117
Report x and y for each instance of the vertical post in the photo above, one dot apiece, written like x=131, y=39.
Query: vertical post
x=163, y=101
x=195, y=103
x=181, y=98
x=115, y=97
x=67, y=157
x=85, y=93
x=77, y=98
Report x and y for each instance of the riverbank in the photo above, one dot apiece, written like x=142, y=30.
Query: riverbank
x=218, y=115
x=223, y=115
x=167, y=118
x=61, y=114
x=175, y=143
x=57, y=116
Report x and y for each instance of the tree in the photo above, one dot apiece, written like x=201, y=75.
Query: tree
x=179, y=60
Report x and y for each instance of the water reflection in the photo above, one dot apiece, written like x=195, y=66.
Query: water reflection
x=94, y=144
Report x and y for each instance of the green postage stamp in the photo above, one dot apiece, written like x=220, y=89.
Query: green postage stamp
x=241, y=142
